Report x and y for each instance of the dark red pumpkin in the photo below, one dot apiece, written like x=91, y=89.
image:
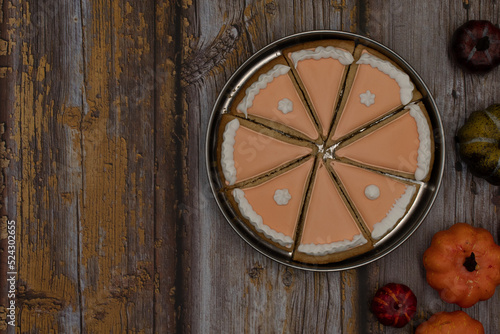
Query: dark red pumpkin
x=476, y=46
x=394, y=305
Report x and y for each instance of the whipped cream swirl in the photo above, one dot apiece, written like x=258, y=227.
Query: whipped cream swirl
x=261, y=83
x=227, y=151
x=405, y=85
x=344, y=57
x=397, y=211
x=424, y=136
x=334, y=247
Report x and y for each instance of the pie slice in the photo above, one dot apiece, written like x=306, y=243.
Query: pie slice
x=330, y=231
x=271, y=97
x=402, y=146
x=376, y=87
x=273, y=207
x=248, y=150
x=321, y=68
x=380, y=200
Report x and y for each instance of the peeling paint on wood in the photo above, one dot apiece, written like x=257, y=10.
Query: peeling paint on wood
x=4, y=71
x=4, y=47
x=116, y=216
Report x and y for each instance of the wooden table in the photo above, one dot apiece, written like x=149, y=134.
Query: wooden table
x=105, y=105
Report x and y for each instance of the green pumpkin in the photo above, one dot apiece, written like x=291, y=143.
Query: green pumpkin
x=479, y=143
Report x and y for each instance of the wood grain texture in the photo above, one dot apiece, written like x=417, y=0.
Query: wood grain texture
x=173, y=188
x=44, y=173
x=6, y=79
x=106, y=106
x=117, y=217
x=462, y=198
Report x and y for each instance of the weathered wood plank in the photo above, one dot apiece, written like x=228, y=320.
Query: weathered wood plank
x=45, y=175
x=7, y=209
x=173, y=186
x=117, y=201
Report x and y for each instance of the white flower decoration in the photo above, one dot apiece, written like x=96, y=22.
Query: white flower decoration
x=285, y=106
x=282, y=196
x=367, y=98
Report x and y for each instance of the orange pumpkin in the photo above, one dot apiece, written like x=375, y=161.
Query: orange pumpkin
x=450, y=323
x=463, y=264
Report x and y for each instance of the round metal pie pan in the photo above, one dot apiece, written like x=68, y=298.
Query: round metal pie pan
x=420, y=207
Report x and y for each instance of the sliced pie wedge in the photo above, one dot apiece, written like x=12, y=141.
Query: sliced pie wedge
x=402, y=145
x=320, y=68
x=272, y=207
x=380, y=200
x=248, y=150
x=375, y=87
x=330, y=232
x=271, y=97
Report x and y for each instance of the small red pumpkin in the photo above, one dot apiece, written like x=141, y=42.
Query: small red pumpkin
x=450, y=323
x=476, y=46
x=463, y=264
x=394, y=305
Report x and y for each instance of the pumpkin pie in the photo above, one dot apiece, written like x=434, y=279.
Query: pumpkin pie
x=324, y=150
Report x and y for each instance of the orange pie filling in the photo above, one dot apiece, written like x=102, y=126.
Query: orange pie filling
x=273, y=96
x=402, y=145
x=246, y=153
x=329, y=226
x=322, y=72
x=274, y=206
x=378, y=88
x=380, y=200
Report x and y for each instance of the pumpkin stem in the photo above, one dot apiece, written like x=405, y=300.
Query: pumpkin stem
x=483, y=43
x=470, y=262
